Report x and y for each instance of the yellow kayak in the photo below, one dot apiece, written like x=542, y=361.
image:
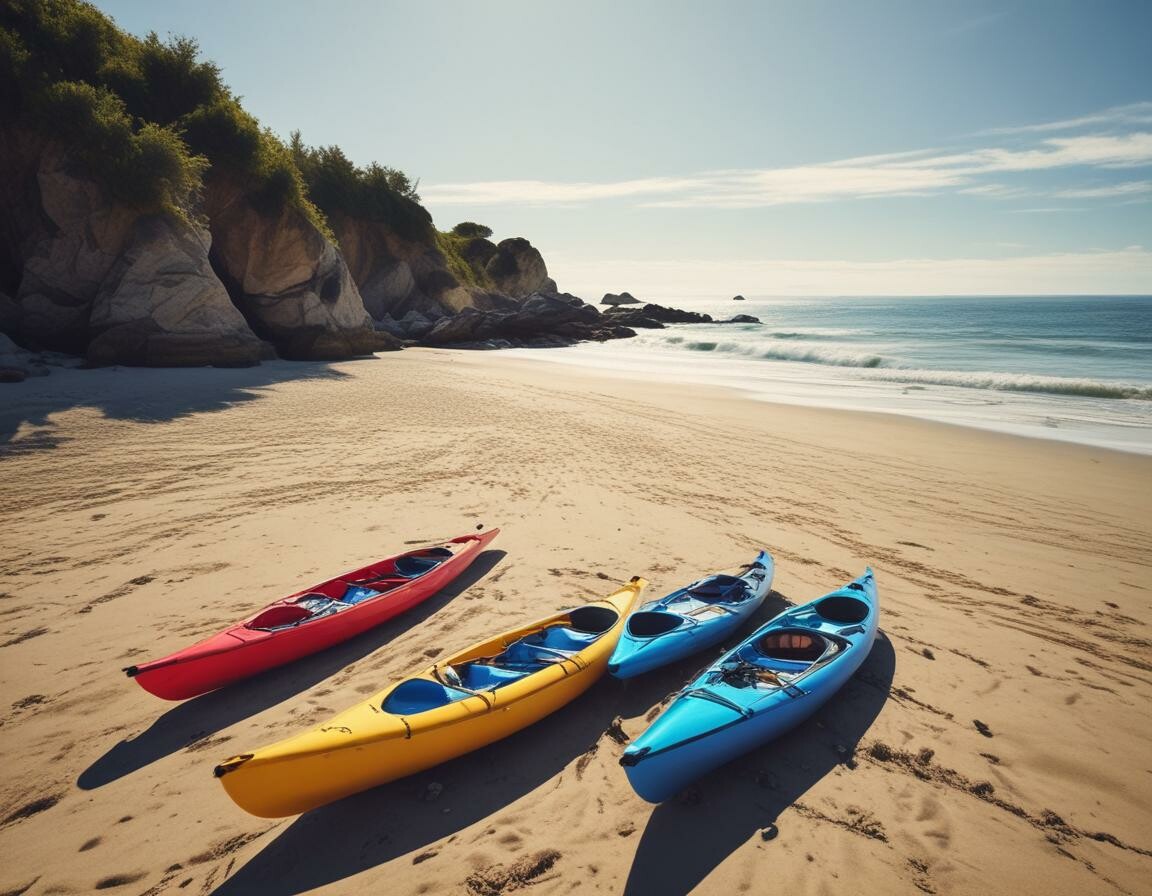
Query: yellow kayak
x=460, y=704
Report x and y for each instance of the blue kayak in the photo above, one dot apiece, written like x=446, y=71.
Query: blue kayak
x=772, y=681
x=696, y=617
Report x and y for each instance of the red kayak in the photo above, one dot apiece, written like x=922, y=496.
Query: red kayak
x=310, y=620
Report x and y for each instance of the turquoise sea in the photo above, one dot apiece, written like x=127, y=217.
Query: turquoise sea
x=1075, y=368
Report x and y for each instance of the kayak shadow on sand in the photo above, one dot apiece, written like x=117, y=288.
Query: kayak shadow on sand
x=202, y=716
x=368, y=829
x=722, y=810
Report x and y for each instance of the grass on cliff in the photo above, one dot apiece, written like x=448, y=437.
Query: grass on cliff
x=451, y=246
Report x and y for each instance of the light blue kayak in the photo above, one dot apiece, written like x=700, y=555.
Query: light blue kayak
x=696, y=617
x=772, y=681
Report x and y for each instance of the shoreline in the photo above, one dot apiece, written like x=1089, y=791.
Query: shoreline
x=149, y=508
x=43, y=391
x=718, y=378
x=717, y=394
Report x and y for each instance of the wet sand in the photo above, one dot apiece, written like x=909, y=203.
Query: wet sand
x=996, y=740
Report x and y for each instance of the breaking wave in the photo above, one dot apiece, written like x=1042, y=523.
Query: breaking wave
x=835, y=357
x=886, y=369
x=1016, y=382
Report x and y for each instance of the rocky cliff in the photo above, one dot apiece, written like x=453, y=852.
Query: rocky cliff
x=147, y=218
x=97, y=278
x=399, y=275
x=235, y=282
x=286, y=277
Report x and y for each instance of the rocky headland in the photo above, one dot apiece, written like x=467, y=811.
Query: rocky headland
x=148, y=220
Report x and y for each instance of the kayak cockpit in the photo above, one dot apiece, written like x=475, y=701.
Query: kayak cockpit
x=527, y=654
x=709, y=598
x=342, y=593
x=653, y=623
x=717, y=589
x=406, y=567
x=842, y=609
x=778, y=658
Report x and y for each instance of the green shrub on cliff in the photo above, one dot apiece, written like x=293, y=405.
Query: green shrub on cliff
x=472, y=230
x=451, y=246
x=149, y=166
x=224, y=133
x=149, y=118
x=375, y=193
x=166, y=81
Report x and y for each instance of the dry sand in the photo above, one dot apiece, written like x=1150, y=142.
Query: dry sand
x=997, y=740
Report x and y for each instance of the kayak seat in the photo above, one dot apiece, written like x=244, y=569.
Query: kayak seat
x=792, y=645
x=378, y=584
x=719, y=589
x=357, y=593
x=281, y=615
x=411, y=567
x=418, y=695
x=552, y=645
x=482, y=677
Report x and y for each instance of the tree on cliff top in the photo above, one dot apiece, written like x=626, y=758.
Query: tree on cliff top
x=472, y=230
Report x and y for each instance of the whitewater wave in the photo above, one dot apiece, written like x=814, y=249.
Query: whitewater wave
x=834, y=357
x=1016, y=382
x=827, y=335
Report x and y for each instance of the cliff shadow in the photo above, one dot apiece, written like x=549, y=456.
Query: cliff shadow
x=687, y=837
x=360, y=832
x=202, y=716
x=144, y=395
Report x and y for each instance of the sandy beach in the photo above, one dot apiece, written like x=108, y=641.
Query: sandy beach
x=995, y=741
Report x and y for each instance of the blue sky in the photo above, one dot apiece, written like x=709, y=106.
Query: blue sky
x=676, y=149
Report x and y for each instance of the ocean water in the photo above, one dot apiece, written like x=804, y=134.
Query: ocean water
x=1076, y=369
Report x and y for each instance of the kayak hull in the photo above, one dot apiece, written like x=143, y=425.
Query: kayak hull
x=712, y=721
x=639, y=652
x=244, y=650
x=370, y=745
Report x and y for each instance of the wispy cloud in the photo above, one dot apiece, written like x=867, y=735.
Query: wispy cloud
x=1126, y=190
x=914, y=173
x=1133, y=114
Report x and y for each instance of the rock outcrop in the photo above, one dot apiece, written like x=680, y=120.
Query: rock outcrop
x=99, y=279
x=542, y=321
x=633, y=317
x=517, y=269
x=397, y=275
x=286, y=277
x=656, y=316
x=738, y=298
x=68, y=250
x=162, y=305
x=662, y=314
x=625, y=298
